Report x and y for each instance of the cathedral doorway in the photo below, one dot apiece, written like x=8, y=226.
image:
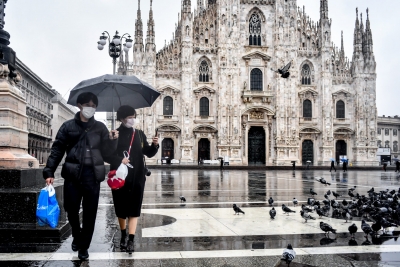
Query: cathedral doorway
x=204, y=149
x=167, y=146
x=256, y=149
x=341, y=149
x=307, y=152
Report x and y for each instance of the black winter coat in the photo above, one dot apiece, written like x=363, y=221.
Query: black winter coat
x=140, y=147
x=71, y=139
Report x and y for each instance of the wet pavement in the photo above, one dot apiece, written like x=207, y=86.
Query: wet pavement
x=205, y=232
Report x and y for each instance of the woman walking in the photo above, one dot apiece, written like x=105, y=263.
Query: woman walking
x=128, y=199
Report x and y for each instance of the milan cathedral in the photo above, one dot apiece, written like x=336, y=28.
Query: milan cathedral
x=222, y=97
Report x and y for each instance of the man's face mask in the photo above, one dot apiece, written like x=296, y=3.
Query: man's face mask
x=88, y=112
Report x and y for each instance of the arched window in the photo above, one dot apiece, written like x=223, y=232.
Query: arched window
x=379, y=143
x=255, y=30
x=306, y=74
x=307, y=109
x=394, y=132
x=204, y=72
x=387, y=144
x=168, y=106
x=256, y=80
x=379, y=131
x=340, y=111
x=386, y=131
x=204, y=106
x=395, y=146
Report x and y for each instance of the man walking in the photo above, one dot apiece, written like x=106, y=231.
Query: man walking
x=85, y=142
x=345, y=166
x=221, y=167
x=397, y=166
x=332, y=166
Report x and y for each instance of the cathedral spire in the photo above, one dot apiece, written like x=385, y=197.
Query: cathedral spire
x=139, y=31
x=324, y=9
x=368, y=35
x=342, y=48
x=186, y=6
x=151, y=35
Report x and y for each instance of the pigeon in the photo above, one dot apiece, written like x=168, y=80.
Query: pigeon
x=182, y=198
x=366, y=228
x=344, y=202
x=288, y=254
x=304, y=208
x=376, y=227
x=372, y=190
x=306, y=216
x=284, y=71
x=346, y=215
x=286, y=210
x=237, y=209
x=328, y=193
x=270, y=201
x=353, y=229
x=295, y=202
x=320, y=213
x=312, y=192
x=352, y=189
x=323, y=181
x=336, y=195
x=326, y=228
x=351, y=193
x=272, y=213
x=326, y=197
x=310, y=201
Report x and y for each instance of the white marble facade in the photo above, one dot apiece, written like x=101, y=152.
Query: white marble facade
x=220, y=96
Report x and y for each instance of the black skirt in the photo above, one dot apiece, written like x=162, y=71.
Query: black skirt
x=128, y=200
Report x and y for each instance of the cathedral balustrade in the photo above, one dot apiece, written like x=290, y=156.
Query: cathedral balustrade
x=205, y=48
x=204, y=119
x=168, y=119
x=344, y=121
x=265, y=96
x=308, y=121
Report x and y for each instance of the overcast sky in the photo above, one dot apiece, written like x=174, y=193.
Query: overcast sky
x=57, y=39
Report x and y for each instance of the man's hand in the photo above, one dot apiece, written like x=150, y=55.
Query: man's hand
x=155, y=140
x=50, y=181
x=114, y=134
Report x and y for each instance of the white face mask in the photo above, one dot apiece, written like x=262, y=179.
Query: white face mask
x=130, y=123
x=88, y=112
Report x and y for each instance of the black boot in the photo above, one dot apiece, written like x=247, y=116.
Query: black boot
x=130, y=248
x=75, y=242
x=83, y=254
x=122, y=243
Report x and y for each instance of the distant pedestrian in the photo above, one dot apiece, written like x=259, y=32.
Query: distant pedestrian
x=294, y=165
x=308, y=164
x=345, y=166
x=332, y=166
x=397, y=166
x=221, y=166
x=384, y=165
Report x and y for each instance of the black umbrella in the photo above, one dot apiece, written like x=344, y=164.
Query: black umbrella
x=114, y=91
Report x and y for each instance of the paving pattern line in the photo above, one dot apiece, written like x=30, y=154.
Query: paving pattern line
x=198, y=254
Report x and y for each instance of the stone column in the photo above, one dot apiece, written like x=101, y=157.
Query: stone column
x=13, y=121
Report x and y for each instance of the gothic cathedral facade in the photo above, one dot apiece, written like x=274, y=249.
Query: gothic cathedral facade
x=222, y=97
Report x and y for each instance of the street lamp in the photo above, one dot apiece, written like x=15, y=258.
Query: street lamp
x=114, y=51
x=114, y=45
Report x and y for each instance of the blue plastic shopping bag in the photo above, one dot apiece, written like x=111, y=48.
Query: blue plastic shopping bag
x=47, y=211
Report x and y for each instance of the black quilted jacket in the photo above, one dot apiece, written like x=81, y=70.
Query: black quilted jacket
x=71, y=140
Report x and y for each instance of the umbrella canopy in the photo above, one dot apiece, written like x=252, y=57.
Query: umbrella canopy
x=344, y=160
x=395, y=159
x=114, y=91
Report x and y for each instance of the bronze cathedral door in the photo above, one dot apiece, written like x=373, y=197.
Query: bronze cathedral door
x=256, y=149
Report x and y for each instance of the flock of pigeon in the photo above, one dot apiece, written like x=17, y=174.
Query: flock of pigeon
x=382, y=208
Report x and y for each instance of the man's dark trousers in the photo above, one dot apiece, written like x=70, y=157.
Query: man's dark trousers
x=332, y=166
x=87, y=191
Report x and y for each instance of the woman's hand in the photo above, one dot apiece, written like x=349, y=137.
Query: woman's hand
x=155, y=141
x=125, y=161
x=114, y=134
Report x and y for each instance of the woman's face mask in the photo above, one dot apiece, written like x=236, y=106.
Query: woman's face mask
x=130, y=122
x=88, y=112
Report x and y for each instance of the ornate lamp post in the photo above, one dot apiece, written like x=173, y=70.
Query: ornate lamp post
x=114, y=51
x=114, y=45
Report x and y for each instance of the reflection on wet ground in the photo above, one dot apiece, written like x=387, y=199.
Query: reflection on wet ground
x=213, y=192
